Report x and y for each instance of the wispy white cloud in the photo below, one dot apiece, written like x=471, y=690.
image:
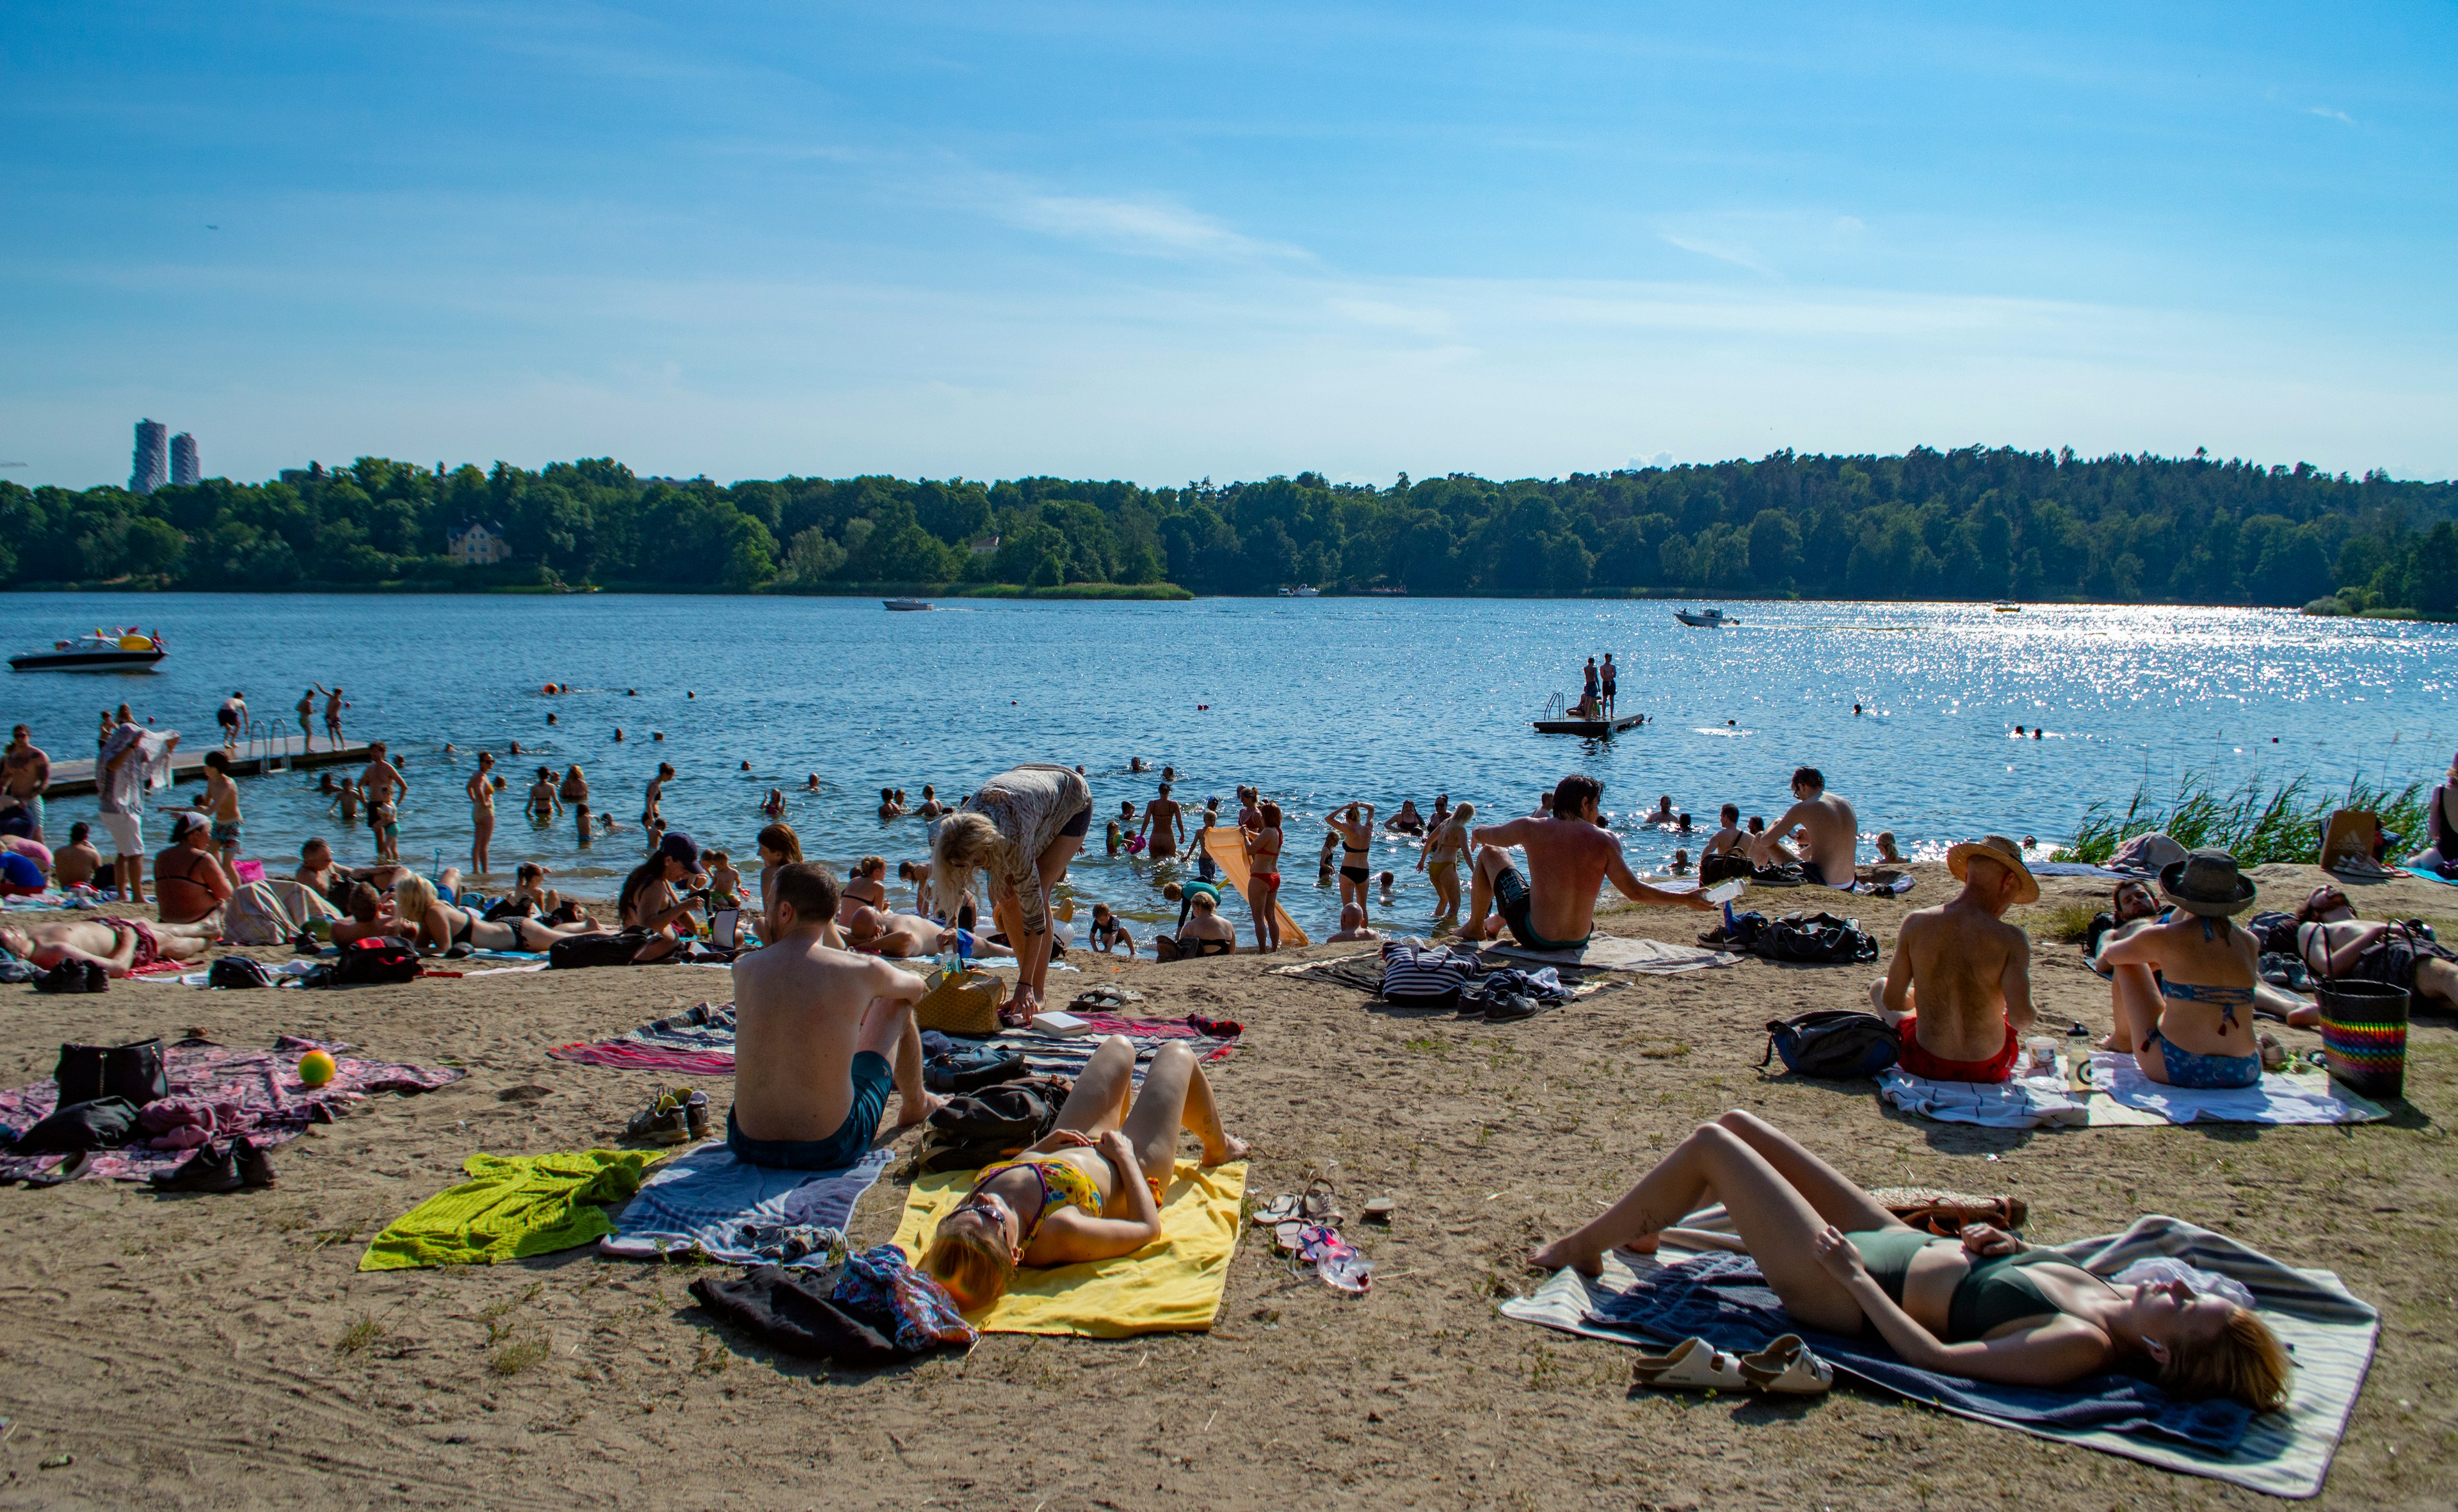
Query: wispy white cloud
x=1737, y=254
x=2328, y=114
x=1144, y=227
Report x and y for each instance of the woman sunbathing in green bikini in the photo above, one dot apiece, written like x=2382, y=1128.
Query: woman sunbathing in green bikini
x=1978, y=1307
x=1091, y=1191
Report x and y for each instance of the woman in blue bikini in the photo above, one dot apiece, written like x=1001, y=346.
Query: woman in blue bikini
x=2183, y=989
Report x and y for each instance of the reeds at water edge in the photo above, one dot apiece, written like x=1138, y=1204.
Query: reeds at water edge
x=2256, y=822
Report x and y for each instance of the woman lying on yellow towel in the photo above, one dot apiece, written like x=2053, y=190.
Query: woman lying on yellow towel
x=1091, y=1189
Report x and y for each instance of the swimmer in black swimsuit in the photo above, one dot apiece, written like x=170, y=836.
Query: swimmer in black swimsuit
x=1355, y=828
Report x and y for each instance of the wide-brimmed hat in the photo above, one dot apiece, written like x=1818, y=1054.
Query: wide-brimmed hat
x=2001, y=850
x=2207, y=882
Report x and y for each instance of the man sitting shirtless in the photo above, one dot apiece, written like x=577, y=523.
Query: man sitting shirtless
x=1960, y=985
x=814, y=1030
x=1570, y=856
x=1832, y=832
x=120, y=944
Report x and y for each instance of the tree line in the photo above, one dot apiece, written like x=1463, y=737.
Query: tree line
x=1970, y=524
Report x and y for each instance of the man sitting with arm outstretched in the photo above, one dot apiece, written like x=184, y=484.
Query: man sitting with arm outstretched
x=1570, y=856
x=815, y=1031
x=1960, y=985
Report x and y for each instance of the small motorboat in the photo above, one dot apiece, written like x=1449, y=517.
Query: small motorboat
x=905, y=606
x=127, y=650
x=2006, y=609
x=1704, y=619
x=1301, y=592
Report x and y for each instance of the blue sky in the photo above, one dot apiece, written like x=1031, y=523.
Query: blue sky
x=1167, y=241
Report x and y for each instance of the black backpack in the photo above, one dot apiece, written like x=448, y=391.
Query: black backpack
x=1818, y=940
x=375, y=959
x=971, y=1132
x=239, y=971
x=574, y=951
x=1725, y=868
x=1838, y=1043
x=132, y=1072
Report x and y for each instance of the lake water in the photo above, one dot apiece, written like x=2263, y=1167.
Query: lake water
x=1317, y=701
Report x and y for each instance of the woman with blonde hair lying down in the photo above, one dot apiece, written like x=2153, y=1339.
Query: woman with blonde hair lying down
x=438, y=925
x=1979, y=1307
x=1091, y=1189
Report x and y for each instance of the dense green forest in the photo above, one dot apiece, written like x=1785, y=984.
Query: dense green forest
x=1957, y=524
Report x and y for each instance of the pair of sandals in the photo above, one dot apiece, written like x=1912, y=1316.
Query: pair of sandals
x=1289, y=1217
x=1786, y=1368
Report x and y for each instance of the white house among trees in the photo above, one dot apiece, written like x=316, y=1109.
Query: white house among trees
x=475, y=543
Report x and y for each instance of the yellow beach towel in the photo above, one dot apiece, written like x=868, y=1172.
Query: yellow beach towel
x=1173, y=1283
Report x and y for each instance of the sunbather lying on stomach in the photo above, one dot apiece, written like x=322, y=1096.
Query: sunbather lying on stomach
x=118, y=944
x=1091, y=1189
x=1570, y=856
x=1959, y=987
x=1979, y=1306
x=815, y=1028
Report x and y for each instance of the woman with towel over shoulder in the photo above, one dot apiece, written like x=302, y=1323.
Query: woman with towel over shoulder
x=1021, y=826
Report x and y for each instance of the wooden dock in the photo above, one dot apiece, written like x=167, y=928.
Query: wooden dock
x=248, y=758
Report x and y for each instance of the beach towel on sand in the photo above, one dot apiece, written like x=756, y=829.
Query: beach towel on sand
x=1173, y=1283
x=1723, y=1299
x=699, y=1042
x=705, y=1201
x=510, y=1208
x=2121, y=1096
x=1653, y=958
x=257, y=1093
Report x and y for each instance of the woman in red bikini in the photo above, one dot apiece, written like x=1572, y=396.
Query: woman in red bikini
x=1264, y=841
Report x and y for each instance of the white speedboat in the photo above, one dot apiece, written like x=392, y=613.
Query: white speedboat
x=1705, y=619
x=1301, y=592
x=126, y=650
x=905, y=606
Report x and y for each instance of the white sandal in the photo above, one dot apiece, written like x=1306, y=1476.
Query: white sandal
x=1786, y=1367
x=1692, y=1365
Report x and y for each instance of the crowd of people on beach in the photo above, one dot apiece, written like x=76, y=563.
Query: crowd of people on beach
x=826, y=1029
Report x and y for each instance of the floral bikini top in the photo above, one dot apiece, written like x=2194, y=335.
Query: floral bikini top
x=1064, y=1184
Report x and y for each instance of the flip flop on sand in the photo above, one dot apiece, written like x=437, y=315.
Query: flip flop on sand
x=1278, y=1210
x=1692, y=1365
x=1318, y=1203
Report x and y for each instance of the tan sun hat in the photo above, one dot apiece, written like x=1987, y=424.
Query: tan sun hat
x=2004, y=852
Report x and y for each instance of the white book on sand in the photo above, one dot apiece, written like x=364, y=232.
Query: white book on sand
x=1063, y=1024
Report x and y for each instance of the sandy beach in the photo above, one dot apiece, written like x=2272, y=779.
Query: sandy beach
x=212, y=1351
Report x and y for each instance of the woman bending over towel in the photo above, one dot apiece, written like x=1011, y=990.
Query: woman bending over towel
x=1980, y=1307
x=1091, y=1189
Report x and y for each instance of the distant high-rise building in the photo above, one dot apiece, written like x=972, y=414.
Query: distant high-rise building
x=183, y=460
x=151, y=467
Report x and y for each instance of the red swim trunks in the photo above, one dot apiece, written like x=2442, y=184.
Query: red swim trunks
x=1919, y=1062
